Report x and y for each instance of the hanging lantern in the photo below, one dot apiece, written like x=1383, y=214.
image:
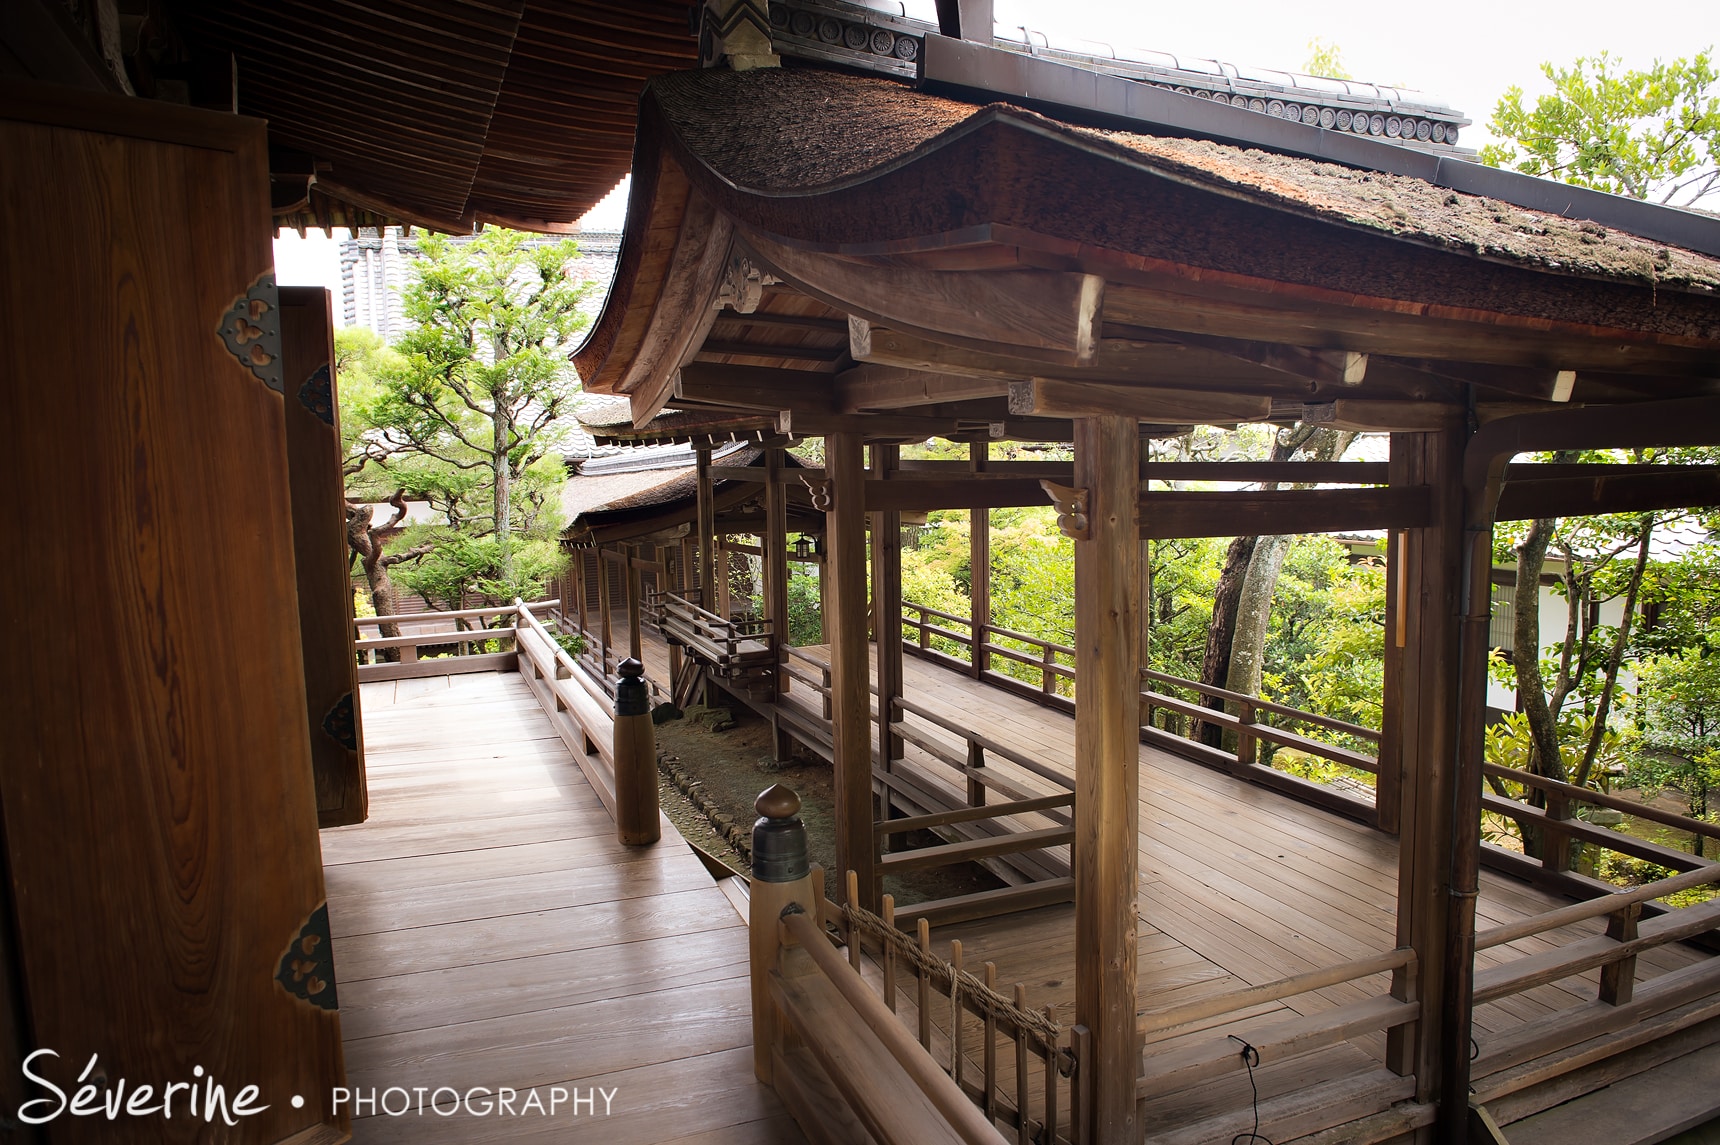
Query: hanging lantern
x=802, y=547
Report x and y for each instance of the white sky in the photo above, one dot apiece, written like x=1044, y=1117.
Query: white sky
x=1465, y=53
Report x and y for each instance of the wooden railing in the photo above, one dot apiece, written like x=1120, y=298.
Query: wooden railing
x=453, y=646
x=576, y=702
x=1199, y=1057
x=1012, y=1064
x=815, y=674
x=1623, y=1014
x=1559, y=827
x=1043, y=661
x=976, y=824
x=731, y=648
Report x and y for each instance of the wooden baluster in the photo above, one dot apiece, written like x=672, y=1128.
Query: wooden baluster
x=1245, y=741
x=1618, y=979
x=889, y=954
x=925, y=987
x=824, y=677
x=1050, y=1059
x=1080, y=1111
x=958, y=1014
x=925, y=630
x=975, y=787
x=1023, y=1094
x=1047, y=677
x=1555, y=843
x=990, y=1099
x=851, y=929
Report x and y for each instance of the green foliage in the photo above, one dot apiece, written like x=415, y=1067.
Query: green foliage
x=462, y=412
x=1647, y=134
x=805, y=622
x=1509, y=744
x=1325, y=60
x=570, y=642
x=1679, y=725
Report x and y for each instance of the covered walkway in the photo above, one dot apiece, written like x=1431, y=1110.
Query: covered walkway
x=489, y=932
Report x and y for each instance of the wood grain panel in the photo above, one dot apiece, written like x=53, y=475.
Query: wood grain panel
x=159, y=816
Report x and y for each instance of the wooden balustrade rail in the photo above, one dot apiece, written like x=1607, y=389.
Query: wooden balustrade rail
x=733, y=648
x=966, y=1121
x=1595, y=908
x=407, y=665
x=1170, y=1017
x=1575, y=794
x=576, y=703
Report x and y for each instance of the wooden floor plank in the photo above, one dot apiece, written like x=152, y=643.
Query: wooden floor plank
x=490, y=931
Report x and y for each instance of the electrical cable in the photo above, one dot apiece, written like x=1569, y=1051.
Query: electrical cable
x=1250, y=1058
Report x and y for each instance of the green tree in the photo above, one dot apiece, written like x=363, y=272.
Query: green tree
x=1679, y=726
x=1651, y=134
x=1325, y=60
x=466, y=412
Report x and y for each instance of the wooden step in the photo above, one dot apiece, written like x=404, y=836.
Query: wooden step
x=1651, y=1106
x=988, y=904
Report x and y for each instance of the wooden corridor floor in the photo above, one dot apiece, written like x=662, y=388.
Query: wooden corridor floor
x=489, y=931
x=1239, y=886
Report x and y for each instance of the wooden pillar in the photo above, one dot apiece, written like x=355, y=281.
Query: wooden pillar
x=1426, y=734
x=887, y=607
x=775, y=541
x=635, y=644
x=603, y=607
x=707, y=531
x=1146, y=628
x=582, y=588
x=1107, y=767
x=825, y=604
x=321, y=556
x=850, y=669
x=979, y=568
x=1388, y=784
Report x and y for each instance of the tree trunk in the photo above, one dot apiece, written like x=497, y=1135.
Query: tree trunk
x=1544, y=759
x=1215, y=666
x=1254, y=614
x=1603, y=708
x=503, y=493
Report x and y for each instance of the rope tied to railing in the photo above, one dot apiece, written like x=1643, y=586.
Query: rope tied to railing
x=1037, y=1026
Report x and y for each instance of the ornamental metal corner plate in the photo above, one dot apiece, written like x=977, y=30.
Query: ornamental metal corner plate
x=307, y=966
x=251, y=331
x=317, y=394
x=341, y=723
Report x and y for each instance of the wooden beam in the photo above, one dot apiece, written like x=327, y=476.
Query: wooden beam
x=1306, y=472
x=882, y=426
x=1107, y=770
x=1045, y=314
x=731, y=348
x=1386, y=416
x=1247, y=513
x=870, y=386
x=1540, y=382
x=850, y=663
x=1323, y=367
x=750, y=387
x=764, y=319
x=957, y=493
x=1126, y=360
x=1681, y=487
x=1229, y=313
x=1059, y=397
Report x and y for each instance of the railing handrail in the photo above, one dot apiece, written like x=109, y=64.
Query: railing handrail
x=441, y=636
x=986, y=742
x=1603, y=799
x=455, y=614
x=1595, y=908
x=966, y=1119
x=1169, y=1017
x=1255, y=702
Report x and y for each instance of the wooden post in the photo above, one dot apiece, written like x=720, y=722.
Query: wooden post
x=1618, y=979
x=1388, y=783
x=775, y=541
x=1107, y=769
x=1426, y=699
x=779, y=877
x=603, y=605
x=636, y=819
x=707, y=525
x=979, y=569
x=1146, y=629
x=584, y=589
x=887, y=610
x=850, y=683
x=635, y=643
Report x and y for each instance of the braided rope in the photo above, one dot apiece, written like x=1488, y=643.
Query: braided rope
x=946, y=977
